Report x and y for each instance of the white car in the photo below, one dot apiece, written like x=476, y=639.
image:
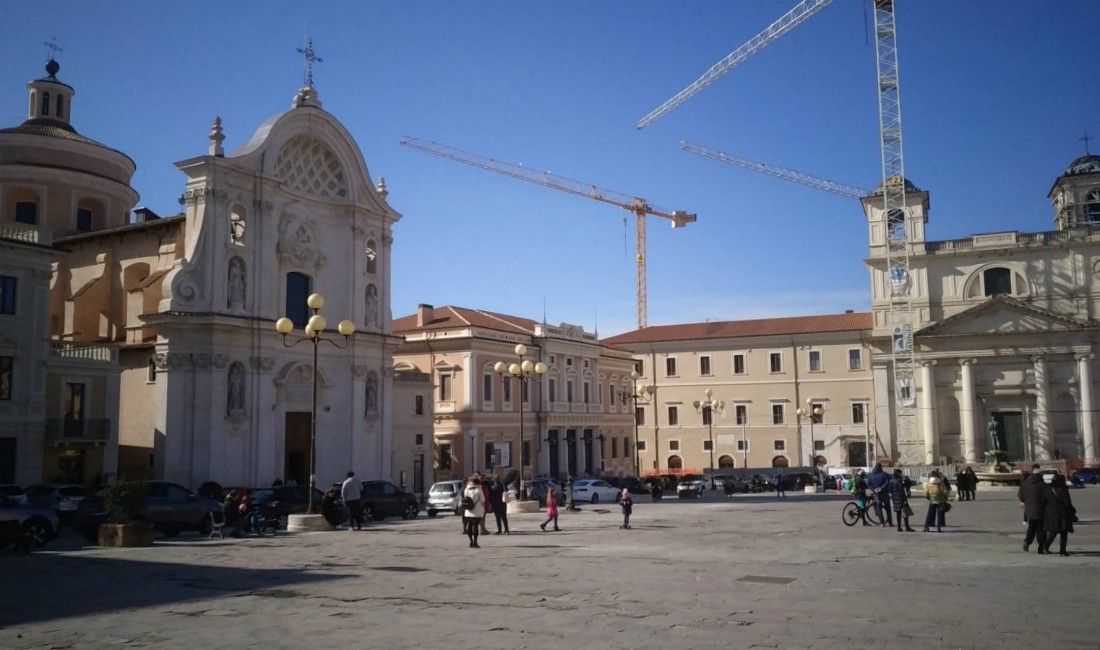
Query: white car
x=593, y=490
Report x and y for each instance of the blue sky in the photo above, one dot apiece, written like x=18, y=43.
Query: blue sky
x=995, y=99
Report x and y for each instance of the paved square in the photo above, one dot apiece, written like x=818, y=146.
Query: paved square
x=751, y=571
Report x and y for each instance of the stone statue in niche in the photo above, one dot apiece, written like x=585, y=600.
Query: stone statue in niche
x=372, y=393
x=235, y=397
x=235, y=299
x=372, y=306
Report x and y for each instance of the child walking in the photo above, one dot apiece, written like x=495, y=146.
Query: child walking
x=551, y=509
x=628, y=506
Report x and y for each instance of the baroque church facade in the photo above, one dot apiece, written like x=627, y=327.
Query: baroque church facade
x=1005, y=332
x=209, y=390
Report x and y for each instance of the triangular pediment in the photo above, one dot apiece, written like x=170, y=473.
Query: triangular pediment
x=1004, y=315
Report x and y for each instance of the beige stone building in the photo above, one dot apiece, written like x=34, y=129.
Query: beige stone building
x=575, y=419
x=411, y=458
x=760, y=372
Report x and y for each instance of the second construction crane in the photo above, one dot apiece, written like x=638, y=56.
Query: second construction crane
x=639, y=206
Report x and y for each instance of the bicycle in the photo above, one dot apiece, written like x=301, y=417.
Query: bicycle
x=852, y=513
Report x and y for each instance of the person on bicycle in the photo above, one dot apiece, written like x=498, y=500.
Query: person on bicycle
x=859, y=489
x=899, y=498
x=879, y=481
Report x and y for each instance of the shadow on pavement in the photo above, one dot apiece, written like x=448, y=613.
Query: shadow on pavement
x=81, y=585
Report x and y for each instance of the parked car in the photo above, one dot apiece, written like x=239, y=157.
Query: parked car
x=13, y=492
x=760, y=483
x=634, y=484
x=797, y=480
x=691, y=488
x=63, y=498
x=539, y=487
x=383, y=499
x=732, y=483
x=170, y=507
x=445, y=496
x=281, y=501
x=1086, y=476
x=37, y=523
x=594, y=490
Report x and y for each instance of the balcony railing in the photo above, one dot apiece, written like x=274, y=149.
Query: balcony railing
x=81, y=351
x=25, y=233
x=77, y=430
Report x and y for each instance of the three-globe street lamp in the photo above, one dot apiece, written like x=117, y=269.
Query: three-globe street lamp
x=313, y=330
x=708, y=408
x=525, y=371
x=639, y=393
x=814, y=412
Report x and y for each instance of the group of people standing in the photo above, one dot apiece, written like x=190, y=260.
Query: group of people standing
x=1048, y=511
x=889, y=496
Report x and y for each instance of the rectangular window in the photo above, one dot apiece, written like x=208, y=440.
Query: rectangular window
x=639, y=415
x=526, y=451
x=706, y=445
x=569, y=391
x=8, y=286
x=611, y=394
x=673, y=416
x=151, y=372
x=74, y=409
x=639, y=367
x=742, y=445
x=490, y=454
x=418, y=405
x=446, y=393
x=626, y=447
x=6, y=369
x=707, y=419
x=814, y=408
x=525, y=396
x=419, y=439
x=741, y=412
x=738, y=364
x=298, y=288
x=641, y=445
x=670, y=367
x=855, y=359
x=83, y=220
x=553, y=389
x=859, y=413
x=775, y=361
x=614, y=447
x=779, y=445
x=586, y=391
x=487, y=381
x=445, y=457
x=26, y=212
x=674, y=445
x=704, y=366
x=506, y=390
x=568, y=361
x=777, y=413
x=819, y=445
x=815, y=360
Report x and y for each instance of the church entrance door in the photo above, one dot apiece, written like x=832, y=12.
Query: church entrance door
x=296, y=448
x=1010, y=433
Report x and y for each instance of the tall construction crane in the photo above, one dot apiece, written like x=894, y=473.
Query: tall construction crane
x=898, y=242
x=639, y=206
x=794, y=176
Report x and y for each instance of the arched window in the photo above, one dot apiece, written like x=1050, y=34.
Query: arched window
x=725, y=462
x=298, y=287
x=1092, y=206
x=780, y=461
x=895, y=225
x=26, y=212
x=372, y=257
x=151, y=375
x=60, y=107
x=83, y=220
x=675, y=462
x=997, y=281
x=45, y=104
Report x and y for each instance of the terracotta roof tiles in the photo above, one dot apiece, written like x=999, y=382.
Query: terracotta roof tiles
x=451, y=317
x=745, y=328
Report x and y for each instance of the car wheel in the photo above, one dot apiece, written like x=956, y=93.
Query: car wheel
x=595, y=498
x=206, y=525
x=368, y=514
x=283, y=522
x=171, y=531
x=432, y=513
x=411, y=511
x=38, y=530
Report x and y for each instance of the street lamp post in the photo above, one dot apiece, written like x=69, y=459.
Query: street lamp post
x=639, y=393
x=313, y=333
x=813, y=412
x=525, y=371
x=708, y=408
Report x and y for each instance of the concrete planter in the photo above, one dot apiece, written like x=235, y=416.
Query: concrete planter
x=136, y=534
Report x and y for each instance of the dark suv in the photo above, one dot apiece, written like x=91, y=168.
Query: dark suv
x=170, y=507
x=383, y=499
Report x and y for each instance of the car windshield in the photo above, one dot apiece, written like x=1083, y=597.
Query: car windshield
x=447, y=488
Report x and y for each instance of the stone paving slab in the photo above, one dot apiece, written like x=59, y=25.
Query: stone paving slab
x=751, y=571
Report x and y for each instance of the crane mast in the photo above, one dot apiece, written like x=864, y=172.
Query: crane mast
x=776, y=171
x=637, y=205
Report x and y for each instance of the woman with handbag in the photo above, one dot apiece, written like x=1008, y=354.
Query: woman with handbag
x=1058, y=514
x=899, y=500
x=937, y=503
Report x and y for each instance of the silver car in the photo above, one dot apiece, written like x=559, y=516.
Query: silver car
x=38, y=524
x=445, y=496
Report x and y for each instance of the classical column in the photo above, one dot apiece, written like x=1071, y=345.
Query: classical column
x=968, y=410
x=928, y=412
x=1084, y=378
x=1043, y=442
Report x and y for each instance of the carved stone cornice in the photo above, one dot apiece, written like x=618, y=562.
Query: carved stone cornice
x=171, y=360
x=1081, y=356
x=202, y=195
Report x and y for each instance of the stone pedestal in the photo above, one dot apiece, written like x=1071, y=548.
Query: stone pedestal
x=812, y=489
x=522, y=506
x=307, y=524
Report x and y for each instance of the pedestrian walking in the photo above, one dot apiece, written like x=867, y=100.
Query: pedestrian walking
x=899, y=499
x=352, y=492
x=1030, y=494
x=627, y=505
x=780, y=488
x=496, y=504
x=877, y=482
x=937, y=495
x=473, y=509
x=1058, y=513
x=551, y=509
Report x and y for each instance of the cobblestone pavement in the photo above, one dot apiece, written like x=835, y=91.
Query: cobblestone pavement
x=748, y=572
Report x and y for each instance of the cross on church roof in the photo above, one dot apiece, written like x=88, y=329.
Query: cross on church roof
x=311, y=57
x=52, y=46
x=1086, y=139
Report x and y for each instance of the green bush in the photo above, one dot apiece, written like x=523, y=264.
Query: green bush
x=124, y=500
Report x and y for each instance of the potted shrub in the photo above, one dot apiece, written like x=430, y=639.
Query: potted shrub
x=126, y=525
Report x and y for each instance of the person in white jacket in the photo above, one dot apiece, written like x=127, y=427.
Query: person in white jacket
x=352, y=493
x=473, y=504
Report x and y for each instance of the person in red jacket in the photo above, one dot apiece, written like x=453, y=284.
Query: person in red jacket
x=488, y=504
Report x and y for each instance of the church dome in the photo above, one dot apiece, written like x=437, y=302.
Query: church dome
x=1087, y=164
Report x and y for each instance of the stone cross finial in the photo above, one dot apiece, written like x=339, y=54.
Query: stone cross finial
x=311, y=57
x=382, y=191
x=216, y=138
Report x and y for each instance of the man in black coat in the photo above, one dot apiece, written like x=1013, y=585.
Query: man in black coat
x=1030, y=495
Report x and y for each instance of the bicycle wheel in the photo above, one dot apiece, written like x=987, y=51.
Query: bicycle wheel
x=850, y=514
x=872, y=516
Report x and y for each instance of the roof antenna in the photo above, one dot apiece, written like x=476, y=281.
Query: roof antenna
x=544, y=309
